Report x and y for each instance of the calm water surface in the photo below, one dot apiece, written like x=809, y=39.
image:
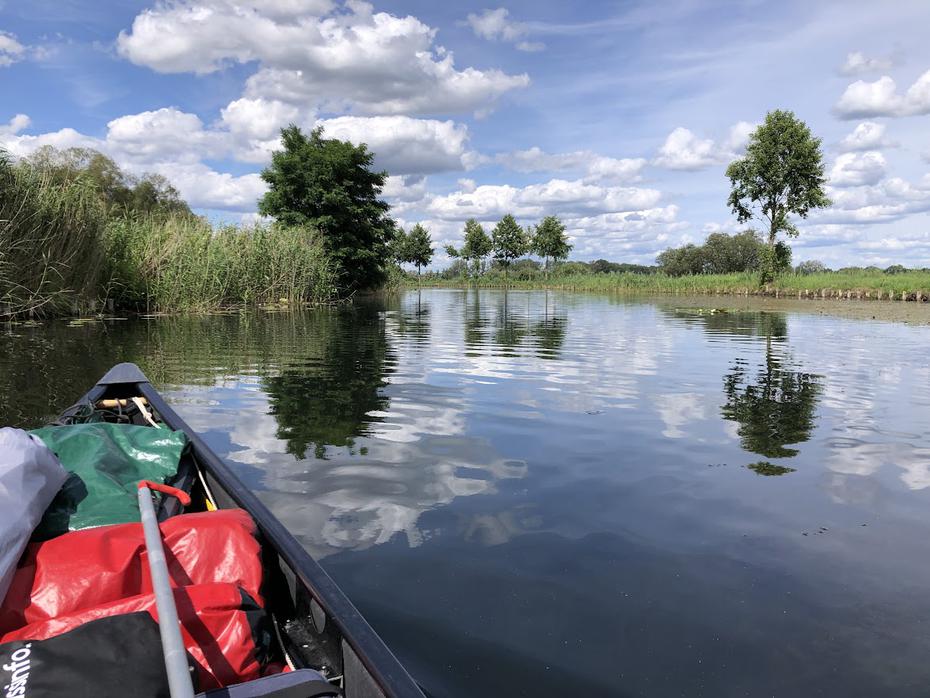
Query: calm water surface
x=534, y=494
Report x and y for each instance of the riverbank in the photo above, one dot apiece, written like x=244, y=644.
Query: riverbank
x=849, y=285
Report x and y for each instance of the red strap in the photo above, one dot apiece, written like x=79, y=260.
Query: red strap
x=182, y=496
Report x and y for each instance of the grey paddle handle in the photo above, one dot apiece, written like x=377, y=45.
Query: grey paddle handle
x=179, y=675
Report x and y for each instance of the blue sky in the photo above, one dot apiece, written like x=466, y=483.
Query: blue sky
x=619, y=117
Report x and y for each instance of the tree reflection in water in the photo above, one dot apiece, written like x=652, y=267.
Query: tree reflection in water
x=775, y=405
x=511, y=328
x=516, y=320
x=775, y=408
x=328, y=397
x=412, y=318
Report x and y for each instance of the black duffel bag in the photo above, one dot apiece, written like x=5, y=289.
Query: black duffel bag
x=114, y=656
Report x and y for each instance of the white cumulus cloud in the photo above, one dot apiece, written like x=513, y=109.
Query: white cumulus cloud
x=166, y=134
x=888, y=200
x=203, y=187
x=404, y=145
x=564, y=197
x=15, y=125
x=866, y=136
x=881, y=98
x=166, y=141
x=858, y=63
x=175, y=143
x=683, y=150
x=352, y=58
x=857, y=169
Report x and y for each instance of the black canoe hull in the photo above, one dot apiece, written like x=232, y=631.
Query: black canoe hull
x=324, y=627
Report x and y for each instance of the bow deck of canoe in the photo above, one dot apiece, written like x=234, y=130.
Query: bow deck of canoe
x=258, y=615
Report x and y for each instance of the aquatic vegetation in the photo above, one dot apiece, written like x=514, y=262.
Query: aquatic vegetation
x=50, y=252
x=763, y=467
x=160, y=264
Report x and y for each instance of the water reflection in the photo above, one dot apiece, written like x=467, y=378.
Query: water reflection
x=515, y=322
x=411, y=320
x=734, y=323
x=332, y=393
x=555, y=493
x=774, y=404
x=774, y=408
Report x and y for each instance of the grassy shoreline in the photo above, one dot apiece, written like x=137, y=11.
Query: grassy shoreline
x=857, y=285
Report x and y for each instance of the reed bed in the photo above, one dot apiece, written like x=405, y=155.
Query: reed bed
x=63, y=251
x=181, y=263
x=50, y=242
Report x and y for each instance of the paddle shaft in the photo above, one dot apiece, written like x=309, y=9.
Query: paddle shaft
x=179, y=676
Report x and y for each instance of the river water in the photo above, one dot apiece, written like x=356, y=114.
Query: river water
x=548, y=494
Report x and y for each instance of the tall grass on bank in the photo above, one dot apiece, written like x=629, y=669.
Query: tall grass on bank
x=64, y=251
x=50, y=253
x=909, y=285
x=181, y=263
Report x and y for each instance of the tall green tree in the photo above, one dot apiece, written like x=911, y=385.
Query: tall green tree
x=477, y=244
x=476, y=247
x=329, y=184
x=400, y=246
x=782, y=174
x=419, y=247
x=550, y=241
x=509, y=241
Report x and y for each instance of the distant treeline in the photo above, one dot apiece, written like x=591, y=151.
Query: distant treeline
x=526, y=268
x=721, y=253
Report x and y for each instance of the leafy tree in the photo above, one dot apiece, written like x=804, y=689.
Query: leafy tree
x=477, y=243
x=525, y=269
x=456, y=270
x=154, y=193
x=720, y=254
x=328, y=184
x=681, y=261
x=725, y=254
x=896, y=269
x=602, y=266
x=550, y=241
x=811, y=266
x=475, y=248
x=781, y=174
x=419, y=246
x=509, y=241
x=400, y=246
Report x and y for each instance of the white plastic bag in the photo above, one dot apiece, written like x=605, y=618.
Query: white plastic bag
x=30, y=477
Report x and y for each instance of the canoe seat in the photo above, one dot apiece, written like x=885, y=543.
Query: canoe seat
x=302, y=683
